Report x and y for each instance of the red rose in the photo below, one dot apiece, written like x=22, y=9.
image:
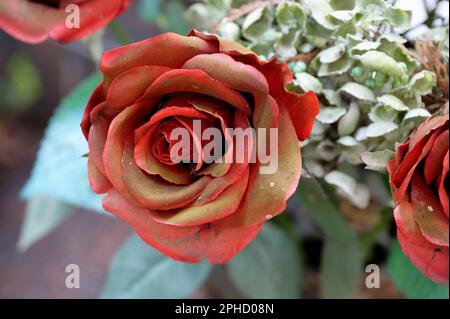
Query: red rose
x=34, y=21
x=150, y=88
x=418, y=177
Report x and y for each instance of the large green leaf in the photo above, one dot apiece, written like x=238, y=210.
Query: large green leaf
x=60, y=170
x=341, y=263
x=269, y=267
x=409, y=280
x=140, y=271
x=42, y=215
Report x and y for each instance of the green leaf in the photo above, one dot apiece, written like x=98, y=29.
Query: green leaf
x=269, y=267
x=341, y=260
x=60, y=170
x=323, y=209
x=42, y=215
x=140, y=271
x=409, y=280
x=341, y=269
x=172, y=18
x=149, y=10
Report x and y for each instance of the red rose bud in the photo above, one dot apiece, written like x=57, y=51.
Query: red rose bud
x=418, y=178
x=198, y=209
x=34, y=21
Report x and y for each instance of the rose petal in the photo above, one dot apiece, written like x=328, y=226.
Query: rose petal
x=128, y=86
x=34, y=22
x=221, y=242
x=428, y=212
x=195, y=81
x=237, y=169
x=179, y=243
x=153, y=192
x=94, y=15
x=146, y=161
x=267, y=194
x=96, y=142
x=28, y=21
x=168, y=49
x=98, y=181
x=426, y=128
x=434, y=160
x=430, y=259
x=223, y=206
x=409, y=163
x=303, y=109
x=96, y=98
x=443, y=193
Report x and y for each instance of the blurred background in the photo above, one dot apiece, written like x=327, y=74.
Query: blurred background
x=33, y=79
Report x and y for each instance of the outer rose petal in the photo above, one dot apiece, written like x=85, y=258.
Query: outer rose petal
x=428, y=212
x=443, y=195
x=33, y=22
x=98, y=181
x=303, y=109
x=430, y=259
x=168, y=49
x=131, y=85
x=434, y=160
x=267, y=193
x=216, y=242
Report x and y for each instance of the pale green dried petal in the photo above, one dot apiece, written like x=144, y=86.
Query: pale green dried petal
x=423, y=82
x=290, y=15
x=393, y=102
x=417, y=115
x=257, y=23
x=327, y=150
x=358, y=91
x=349, y=122
x=362, y=47
x=338, y=67
x=329, y=115
x=378, y=160
x=343, y=181
x=332, y=54
x=380, y=61
x=383, y=113
x=229, y=30
x=379, y=129
x=308, y=82
x=347, y=141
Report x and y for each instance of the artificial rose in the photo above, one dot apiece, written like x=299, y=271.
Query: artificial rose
x=418, y=177
x=34, y=21
x=152, y=87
